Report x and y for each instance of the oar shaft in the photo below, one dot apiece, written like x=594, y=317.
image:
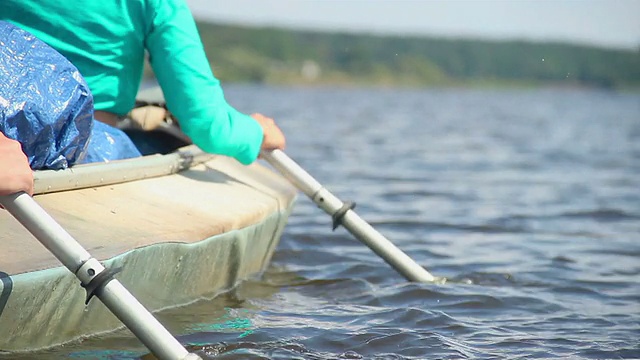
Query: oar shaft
x=114, y=295
x=395, y=257
x=293, y=172
x=142, y=323
x=364, y=232
x=46, y=230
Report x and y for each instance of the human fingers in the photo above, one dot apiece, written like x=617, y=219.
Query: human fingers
x=15, y=173
x=273, y=137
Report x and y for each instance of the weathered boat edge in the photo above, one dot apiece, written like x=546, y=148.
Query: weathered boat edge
x=116, y=172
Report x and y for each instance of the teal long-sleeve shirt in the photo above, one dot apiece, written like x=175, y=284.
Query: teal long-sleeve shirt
x=106, y=40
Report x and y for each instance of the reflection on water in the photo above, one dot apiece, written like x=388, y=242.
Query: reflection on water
x=528, y=202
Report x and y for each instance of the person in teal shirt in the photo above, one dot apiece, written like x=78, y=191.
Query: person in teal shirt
x=107, y=39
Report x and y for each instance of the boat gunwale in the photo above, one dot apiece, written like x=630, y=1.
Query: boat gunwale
x=120, y=171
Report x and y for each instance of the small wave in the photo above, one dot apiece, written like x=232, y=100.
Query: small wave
x=472, y=302
x=627, y=353
x=562, y=259
x=479, y=228
x=580, y=291
x=481, y=278
x=602, y=215
x=615, y=252
x=248, y=350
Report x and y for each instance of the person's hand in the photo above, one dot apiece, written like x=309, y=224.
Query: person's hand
x=273, y=136
x=15, y=173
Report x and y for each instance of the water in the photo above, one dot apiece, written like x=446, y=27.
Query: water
x=526, y=201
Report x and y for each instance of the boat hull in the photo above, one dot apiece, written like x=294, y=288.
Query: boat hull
x=180, y=234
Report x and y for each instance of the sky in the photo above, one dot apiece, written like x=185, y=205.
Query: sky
x=605, y=23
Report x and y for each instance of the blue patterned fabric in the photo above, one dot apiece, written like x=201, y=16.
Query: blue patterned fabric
x=108, y=143
x=44, y=102
x=46, y=105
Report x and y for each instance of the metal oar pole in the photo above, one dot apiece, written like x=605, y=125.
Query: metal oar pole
x=94, y=276
x=343, y=215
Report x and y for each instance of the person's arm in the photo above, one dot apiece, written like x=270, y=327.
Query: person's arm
x=15, y=173
x=195, y=96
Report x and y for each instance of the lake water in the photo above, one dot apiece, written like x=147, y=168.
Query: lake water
x=526, y=201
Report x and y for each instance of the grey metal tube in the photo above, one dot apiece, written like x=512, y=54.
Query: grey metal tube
x=114, y=295
x=141, y=322
x=364, y=232
x=115, y=172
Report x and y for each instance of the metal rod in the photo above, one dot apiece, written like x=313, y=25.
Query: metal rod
x=114, y=295
x=119, y=171
x=364, y=232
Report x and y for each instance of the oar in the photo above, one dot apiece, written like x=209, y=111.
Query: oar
x=343, y=214
x=95, y=278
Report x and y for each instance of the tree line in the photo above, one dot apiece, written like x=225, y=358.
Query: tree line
x=278, y=55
